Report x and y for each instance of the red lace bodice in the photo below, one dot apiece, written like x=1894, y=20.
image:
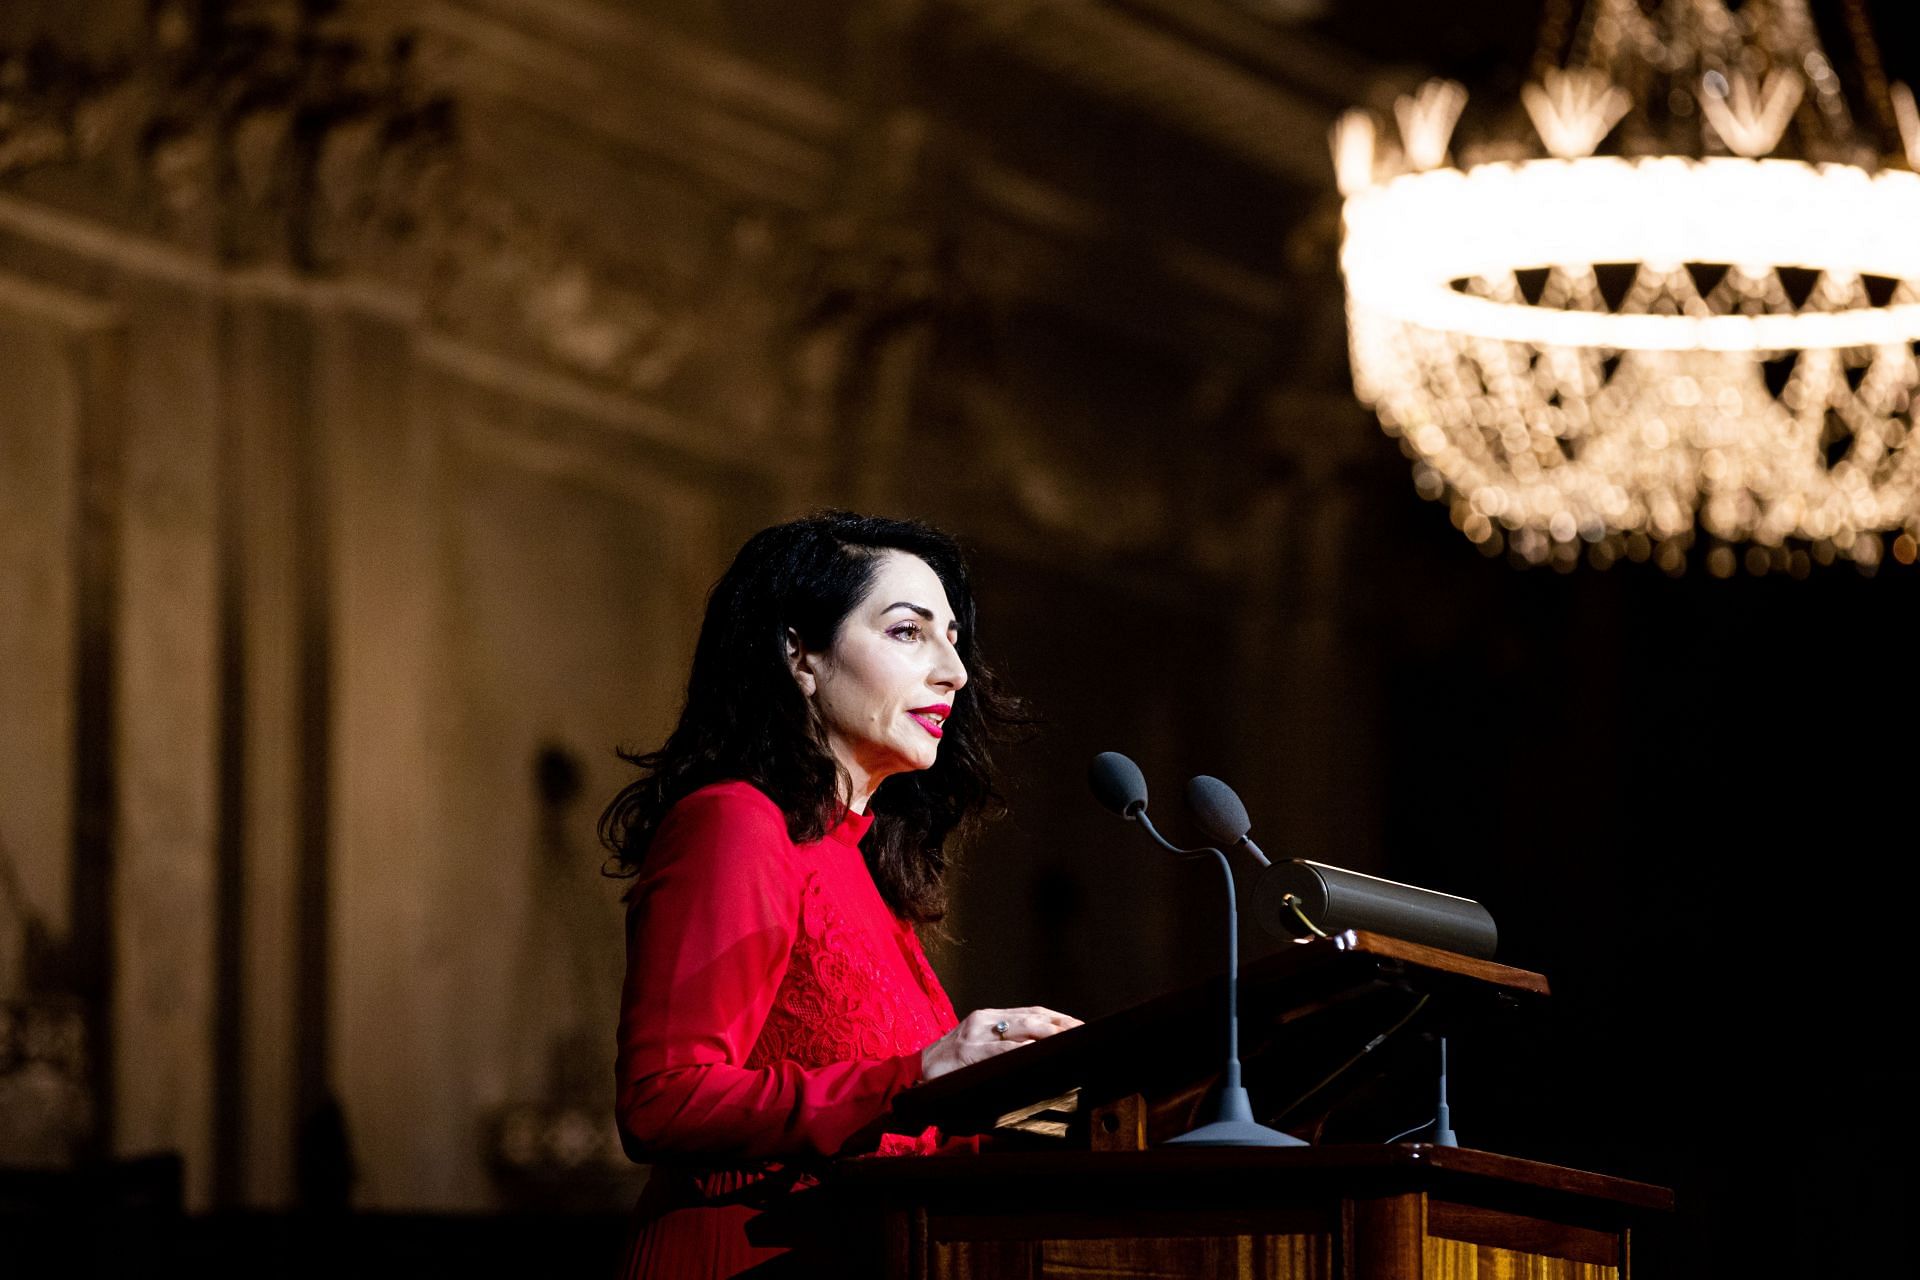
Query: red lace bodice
x=848, y=993
x=773, y=1007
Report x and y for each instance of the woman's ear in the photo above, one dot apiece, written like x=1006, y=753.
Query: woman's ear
x=800, y=662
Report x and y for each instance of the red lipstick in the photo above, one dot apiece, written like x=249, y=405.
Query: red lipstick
x=921, y=716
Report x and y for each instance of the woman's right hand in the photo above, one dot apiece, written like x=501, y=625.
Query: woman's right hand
x=976, y=1040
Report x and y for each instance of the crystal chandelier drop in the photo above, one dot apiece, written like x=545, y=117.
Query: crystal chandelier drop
x=1704, y=338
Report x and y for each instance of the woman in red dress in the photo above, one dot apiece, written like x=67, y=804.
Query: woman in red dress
x=786, y=843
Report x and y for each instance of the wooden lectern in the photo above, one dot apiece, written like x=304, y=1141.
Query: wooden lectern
x=1102, y=1198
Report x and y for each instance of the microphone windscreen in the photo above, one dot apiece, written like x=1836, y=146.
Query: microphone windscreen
x=1218, y=810
x=1117, y=783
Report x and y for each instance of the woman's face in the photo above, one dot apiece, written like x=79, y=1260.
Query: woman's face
x=886, y=685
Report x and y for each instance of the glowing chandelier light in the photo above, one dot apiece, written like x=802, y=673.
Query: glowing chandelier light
x=1711, y=331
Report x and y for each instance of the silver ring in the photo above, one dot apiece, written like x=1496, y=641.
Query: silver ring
x=1000, y=1028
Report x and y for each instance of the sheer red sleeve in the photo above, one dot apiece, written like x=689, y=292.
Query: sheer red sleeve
x=709, y=930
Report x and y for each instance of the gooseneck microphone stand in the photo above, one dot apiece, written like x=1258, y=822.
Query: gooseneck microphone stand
x=1443, y=1134
x=1228, y=1119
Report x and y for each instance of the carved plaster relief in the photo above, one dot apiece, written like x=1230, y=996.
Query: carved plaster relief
x=327, y=147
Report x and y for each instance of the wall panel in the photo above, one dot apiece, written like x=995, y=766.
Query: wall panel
x=39, y=479
x=164, y=890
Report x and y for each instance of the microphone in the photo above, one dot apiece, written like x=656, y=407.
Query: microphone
x=1221, y=815
x=1118, y=784
x=1228, y=1119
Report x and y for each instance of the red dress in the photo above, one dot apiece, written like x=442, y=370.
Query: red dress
x=774, y=1005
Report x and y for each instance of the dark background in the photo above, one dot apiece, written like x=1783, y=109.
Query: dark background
x=1682, y=800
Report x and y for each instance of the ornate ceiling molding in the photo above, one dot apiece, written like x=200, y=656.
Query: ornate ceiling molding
x=264, y=138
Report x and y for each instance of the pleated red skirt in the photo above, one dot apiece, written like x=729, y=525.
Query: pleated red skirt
x=678, y=1235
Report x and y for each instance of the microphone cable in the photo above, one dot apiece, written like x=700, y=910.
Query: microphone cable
x=1424, y=1124
x=1348, y=1065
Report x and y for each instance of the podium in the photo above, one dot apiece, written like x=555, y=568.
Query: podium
x=1075, y=1184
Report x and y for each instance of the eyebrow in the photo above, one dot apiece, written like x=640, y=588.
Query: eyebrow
x=922, y=610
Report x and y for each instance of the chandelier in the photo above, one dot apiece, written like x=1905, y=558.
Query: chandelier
x=1702, y=338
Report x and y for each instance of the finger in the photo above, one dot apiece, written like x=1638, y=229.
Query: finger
x=1019, y=1028
x=989, y=1029
x=1028, y=1028
x=1026, y=1023
x=1052, y=1015
x=1056, y=1021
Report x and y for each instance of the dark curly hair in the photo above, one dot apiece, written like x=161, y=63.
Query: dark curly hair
x=745, y=717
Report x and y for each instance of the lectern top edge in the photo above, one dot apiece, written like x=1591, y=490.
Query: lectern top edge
x=1499, y=975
